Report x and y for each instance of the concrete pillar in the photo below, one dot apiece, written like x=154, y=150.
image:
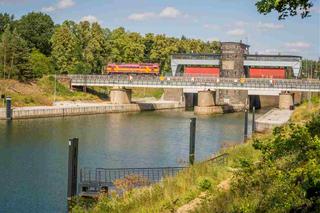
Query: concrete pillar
x=120, y=96
x=206, y=104
x=173, y=95
x=206, y=98
x=285, y=101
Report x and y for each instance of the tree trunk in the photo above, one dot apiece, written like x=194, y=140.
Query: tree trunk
x=9, y=73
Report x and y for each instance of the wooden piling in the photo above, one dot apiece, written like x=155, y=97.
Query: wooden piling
x=192, y=140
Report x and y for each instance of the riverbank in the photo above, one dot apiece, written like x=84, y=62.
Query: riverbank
x=62, y=109
x=257, y=175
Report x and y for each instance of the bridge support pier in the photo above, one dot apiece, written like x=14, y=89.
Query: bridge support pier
x=285, y=101
x=206, y=104
x=120, y=96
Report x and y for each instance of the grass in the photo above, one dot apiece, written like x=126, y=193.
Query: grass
x=172, y=193
x=40, y=92
x=147, y=92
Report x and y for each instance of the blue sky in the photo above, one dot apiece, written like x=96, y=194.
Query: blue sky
x=224, y=20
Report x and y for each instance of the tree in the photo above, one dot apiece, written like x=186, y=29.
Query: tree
x=65, y=49
x=5, y=20
x=285, y=8
x=37, y=29
x=14, y=55
x=39, y=64
x=96, y=48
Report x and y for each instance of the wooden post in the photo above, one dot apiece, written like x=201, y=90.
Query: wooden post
x=245, y=124
x=253, y=119
x=192, y=140
x=72, y=168
x=8, y=108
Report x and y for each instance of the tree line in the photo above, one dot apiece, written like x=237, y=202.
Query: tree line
x=34, y=45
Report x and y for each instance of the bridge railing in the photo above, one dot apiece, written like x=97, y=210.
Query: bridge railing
x=272, y=58
x=187, y=81
x=194, y=56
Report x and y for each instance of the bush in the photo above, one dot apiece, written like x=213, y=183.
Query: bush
x=204, y=183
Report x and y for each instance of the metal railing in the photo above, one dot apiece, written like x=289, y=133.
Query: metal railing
x=106, y=177
x=273, y=58
x=196, y=82
x=195, y=56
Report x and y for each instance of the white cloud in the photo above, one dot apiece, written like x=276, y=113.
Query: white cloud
x=211, y=26
x=241, y=24
x=141, y=16
x=170, y=12
x=62, y=4
x=213, y=39
x=269, y=26
x=297, y=45
x=90, y=18
x=48, y=9
x=236, y=32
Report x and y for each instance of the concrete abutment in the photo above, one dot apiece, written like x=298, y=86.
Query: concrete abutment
x=120, y=96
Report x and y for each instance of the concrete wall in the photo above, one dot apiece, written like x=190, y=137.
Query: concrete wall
x=173, y=95
x=38, y=112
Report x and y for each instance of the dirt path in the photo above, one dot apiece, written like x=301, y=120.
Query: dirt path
x=195, y=203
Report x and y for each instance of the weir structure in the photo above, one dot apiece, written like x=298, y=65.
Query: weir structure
x=215, y=94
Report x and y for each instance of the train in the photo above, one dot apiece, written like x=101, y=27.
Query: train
x=141, y=68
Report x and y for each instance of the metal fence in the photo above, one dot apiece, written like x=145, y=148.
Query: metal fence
x=196, y=82
x=195, y=56
x=272, y=58
x=100, y=177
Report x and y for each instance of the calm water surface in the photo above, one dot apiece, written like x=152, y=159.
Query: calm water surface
x=33, y=153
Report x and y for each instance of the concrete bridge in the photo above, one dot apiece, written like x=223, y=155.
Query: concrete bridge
x=205, y=89
x=198, y=83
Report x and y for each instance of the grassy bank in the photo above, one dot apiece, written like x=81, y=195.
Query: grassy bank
x=40, y=92
x=240, y=184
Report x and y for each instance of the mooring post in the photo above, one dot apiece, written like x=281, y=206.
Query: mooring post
x=253, y=119
x=72, y=168
x=192, y=140
x=8, y=108
x=245, y=124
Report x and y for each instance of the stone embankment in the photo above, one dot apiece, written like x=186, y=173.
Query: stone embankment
x=78, y=108
x=273, y=118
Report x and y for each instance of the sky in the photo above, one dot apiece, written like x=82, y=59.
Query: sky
x=223, y=20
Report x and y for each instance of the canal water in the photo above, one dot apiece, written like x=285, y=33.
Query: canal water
x=33, y=153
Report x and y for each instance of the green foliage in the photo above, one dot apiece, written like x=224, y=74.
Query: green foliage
x=286, y=179
x=204, y=183
x=36, y=28
x=5, y=20
x=310, y=69
x=39, y=64
x=285, y=8
x=14, y=55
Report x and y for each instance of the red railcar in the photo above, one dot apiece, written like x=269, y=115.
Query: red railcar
x=202, y=71
x=267, y=73
x=146, y=68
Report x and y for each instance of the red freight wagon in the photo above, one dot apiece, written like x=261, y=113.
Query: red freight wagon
x=198, y=71
x=267, y=73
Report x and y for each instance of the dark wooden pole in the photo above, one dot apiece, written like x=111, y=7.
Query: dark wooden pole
x=72, y=167
x=253, y=119
x=192, y=140
x=245, y=124
x=8, y=108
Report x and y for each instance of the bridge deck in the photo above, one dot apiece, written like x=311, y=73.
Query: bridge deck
x=201, y=83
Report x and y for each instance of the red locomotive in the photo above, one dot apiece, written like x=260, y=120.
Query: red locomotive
x=145, y=68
